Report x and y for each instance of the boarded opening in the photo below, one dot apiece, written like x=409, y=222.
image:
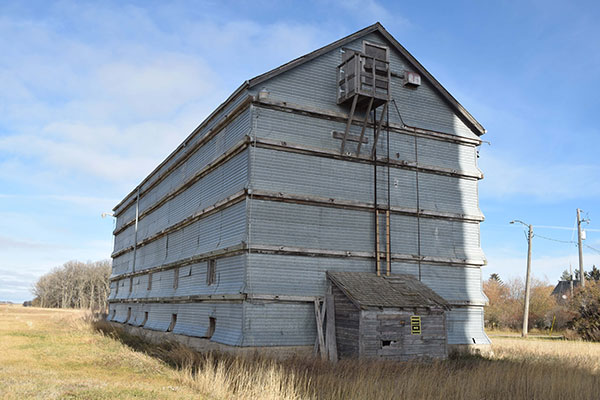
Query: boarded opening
x=130, y=285
x=150, y=281
x=212, y=324
x=173, y=322
x=211, y=271
x=378, y=51
x=175, y=278
x=145, y=319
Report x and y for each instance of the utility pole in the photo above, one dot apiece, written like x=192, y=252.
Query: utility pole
x=527, y=285
x=527, y=278
x=579, y=245
x=571, y=279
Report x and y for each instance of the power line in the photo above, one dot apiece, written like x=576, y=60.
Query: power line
x=592, y=248
x=554, y=240
x=565, y=228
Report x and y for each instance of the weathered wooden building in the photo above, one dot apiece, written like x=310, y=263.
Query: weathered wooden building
x=351, y=158
x=393, y=317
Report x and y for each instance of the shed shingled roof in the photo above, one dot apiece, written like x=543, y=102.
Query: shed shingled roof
x=368, y=290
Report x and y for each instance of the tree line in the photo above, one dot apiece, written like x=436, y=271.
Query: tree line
x=74, y=285
x=579, y=314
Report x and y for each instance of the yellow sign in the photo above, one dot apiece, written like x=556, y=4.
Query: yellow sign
x=415, y=325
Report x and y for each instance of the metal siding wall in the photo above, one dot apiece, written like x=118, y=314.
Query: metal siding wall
x=159, y=316
x=216, y=231
x=305, y=276
x=279, y=324
x=121, y=313
x=301, y=174
x=229, y=280
x=456, y=284
x=316, y=227
x=193, y=320
x=226, y=180
x=316, y=132
x=125, y=238
x=229, y=277
x=445, y=193
x=465, y=324
x=283, y=224
x=454, y=239
x=304, y=130
x=296, y=275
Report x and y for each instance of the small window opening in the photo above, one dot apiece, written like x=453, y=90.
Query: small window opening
x=130, y=284
x=176, y=278
x=212, y=324
x=145, y=318
x=377, y=51
x=117, y=289
x=150, y=281
x=173, y=322
x=128, y=315
x=388, y=343
x=211, y=271
x=190, y=272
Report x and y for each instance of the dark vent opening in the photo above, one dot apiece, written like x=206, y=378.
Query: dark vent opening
x=386, y=343
x=173, y=322
x=145, y=318
x=212, y=324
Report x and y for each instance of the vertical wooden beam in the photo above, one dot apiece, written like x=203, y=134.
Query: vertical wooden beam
x=362, y=131
x=349, y=123
x=387, y=244
x=318, y=316
x=331, y=340
x=377, y=241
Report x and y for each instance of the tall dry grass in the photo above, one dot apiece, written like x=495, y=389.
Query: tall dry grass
x=520, y=369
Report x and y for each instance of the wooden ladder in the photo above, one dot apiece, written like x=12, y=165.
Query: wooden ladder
x=346, y=136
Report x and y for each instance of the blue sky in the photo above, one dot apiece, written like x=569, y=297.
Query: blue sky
x=93, y=95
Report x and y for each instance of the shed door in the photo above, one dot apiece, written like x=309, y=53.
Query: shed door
x=391, y=327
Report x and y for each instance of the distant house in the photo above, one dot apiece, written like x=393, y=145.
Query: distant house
x=352, y=158
x=562, y=290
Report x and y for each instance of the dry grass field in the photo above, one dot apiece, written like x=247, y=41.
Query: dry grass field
x=55, y=354
x=62, y=354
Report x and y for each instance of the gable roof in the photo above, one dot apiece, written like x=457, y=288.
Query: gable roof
x=376, y=27
x=564, y=287
x=367, y=290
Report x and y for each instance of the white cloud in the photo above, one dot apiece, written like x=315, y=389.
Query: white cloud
x=545, y=180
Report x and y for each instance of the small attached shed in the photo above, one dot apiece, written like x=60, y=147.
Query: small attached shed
x=394, y=317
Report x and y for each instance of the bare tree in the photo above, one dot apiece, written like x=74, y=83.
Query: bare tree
x=75, y=285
